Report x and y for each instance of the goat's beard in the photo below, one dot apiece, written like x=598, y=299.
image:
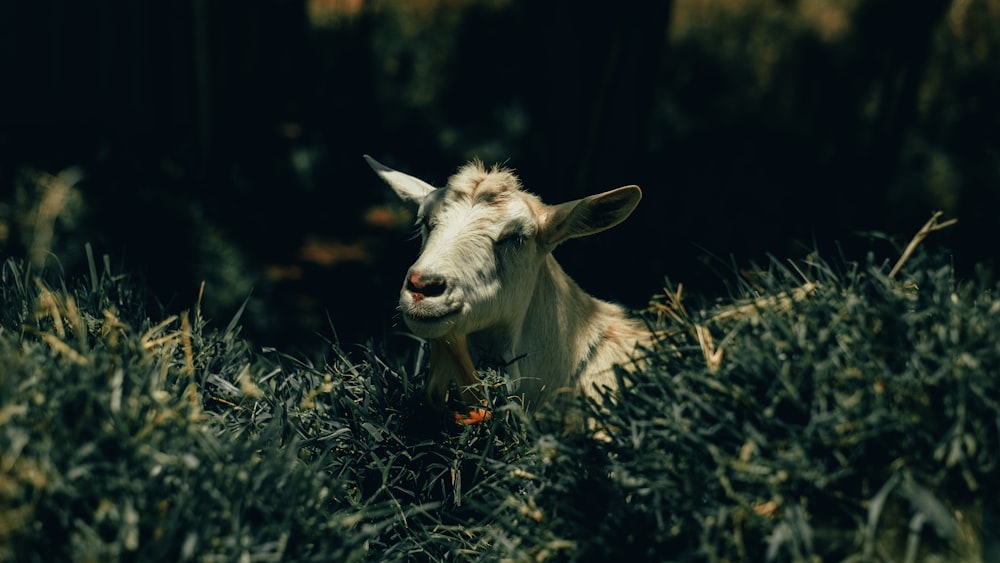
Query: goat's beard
x=450, y=362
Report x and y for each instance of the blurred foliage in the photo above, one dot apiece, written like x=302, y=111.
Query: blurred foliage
x=858, y=420
x=221, y=141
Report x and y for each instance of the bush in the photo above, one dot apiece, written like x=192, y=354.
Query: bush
x=830, y=411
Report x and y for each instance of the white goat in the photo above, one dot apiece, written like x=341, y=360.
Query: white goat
x=486, y=287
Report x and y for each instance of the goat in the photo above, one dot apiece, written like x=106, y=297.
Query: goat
x=486, y=286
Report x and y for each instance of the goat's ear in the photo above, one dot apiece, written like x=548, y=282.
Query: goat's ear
x=409, y=188
x=587, y=216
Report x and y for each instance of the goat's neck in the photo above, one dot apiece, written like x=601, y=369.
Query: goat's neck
x=558, y=304
x=545, y=340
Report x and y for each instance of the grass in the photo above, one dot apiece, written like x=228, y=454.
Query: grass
x=829, y=411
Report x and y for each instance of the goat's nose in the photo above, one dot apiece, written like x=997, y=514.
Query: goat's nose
x=422, y=285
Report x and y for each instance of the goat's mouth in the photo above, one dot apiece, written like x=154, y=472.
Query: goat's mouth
x=430, y=316
x=422, y=314
x=425, y=314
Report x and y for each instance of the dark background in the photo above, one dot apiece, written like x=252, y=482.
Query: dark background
x=221, y=140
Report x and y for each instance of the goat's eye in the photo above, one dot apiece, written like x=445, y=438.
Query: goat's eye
x=420, y=228
x=514, y=238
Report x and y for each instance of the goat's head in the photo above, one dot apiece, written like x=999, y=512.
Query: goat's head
x=484, y=240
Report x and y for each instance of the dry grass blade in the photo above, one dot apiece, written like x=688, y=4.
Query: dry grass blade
x=186, y=341
x=48, y=305
x=670, y=305
x=713, y=355
x=61, y=347
x=929, y=227
x=781, y=302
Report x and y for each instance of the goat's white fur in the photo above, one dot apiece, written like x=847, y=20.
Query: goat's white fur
x=496, y=293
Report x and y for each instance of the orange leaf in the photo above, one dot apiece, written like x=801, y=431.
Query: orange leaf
x=475, y=415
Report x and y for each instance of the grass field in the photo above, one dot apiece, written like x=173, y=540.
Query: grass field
x=828, y=411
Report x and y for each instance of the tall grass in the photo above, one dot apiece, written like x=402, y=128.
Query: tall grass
x=827, y=410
